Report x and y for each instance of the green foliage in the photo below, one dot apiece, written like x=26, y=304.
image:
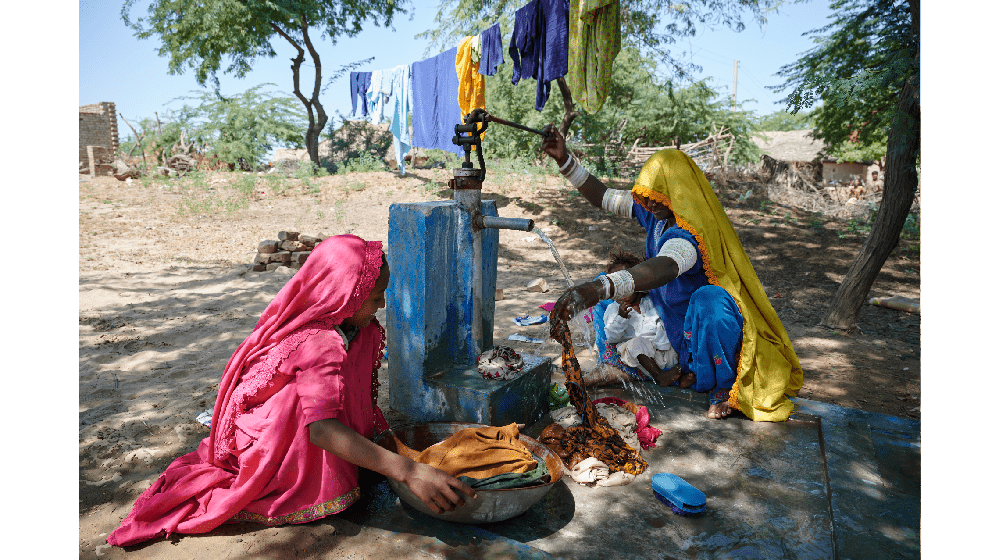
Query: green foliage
x=241, y=129
x=857, y=69
x=362, y=163
x=308, y=169
x=785, y=121
x=205, y=35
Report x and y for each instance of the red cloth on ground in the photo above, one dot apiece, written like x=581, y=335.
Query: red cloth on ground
x=257, y=463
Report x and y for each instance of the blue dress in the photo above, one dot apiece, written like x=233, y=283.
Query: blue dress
x=702, y=321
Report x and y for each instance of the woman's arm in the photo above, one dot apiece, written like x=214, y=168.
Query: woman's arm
x=555, y=146
x=434, y=487
x=647, y=275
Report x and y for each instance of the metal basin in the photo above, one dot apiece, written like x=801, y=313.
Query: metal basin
x=489, y=505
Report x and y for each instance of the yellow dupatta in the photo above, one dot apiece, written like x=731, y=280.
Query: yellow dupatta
x=768, y=370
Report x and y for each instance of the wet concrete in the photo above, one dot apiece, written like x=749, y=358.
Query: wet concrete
x=829, y=483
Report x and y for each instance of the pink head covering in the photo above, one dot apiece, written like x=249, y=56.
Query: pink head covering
x=332, y=284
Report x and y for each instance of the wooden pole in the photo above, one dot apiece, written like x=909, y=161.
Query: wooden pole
x=736, y=65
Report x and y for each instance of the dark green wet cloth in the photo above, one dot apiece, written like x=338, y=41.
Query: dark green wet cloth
x=503, y=481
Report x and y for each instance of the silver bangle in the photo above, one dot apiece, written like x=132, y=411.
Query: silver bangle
x=576, y=175
x=565, y=166
x=623, y=283
x=607, y=286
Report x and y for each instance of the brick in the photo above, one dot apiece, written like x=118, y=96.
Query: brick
x=268, y=246
x=292, y=246
x=309, y=240
x=281, y=256
x=299, y=257
x=259, y=267
x=274, y=266
x=288, y=236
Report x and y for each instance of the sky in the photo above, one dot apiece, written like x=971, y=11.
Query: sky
x=116, y=66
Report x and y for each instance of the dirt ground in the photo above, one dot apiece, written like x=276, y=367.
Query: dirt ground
x=166, y=295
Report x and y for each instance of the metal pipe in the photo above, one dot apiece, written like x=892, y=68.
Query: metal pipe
x=470, y=201
x=504, y=223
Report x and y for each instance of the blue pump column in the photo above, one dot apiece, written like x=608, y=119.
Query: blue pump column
x=432, y=349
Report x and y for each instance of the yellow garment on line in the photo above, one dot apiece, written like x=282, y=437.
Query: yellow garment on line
x=768, y=369
x=595, y=38
x=479, y=452
x=471, y=84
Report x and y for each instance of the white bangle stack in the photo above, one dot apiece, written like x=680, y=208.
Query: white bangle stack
x=573, y=171
x=607, y=287
x=623, y=283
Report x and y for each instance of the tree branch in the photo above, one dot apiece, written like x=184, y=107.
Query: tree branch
x=571, y=112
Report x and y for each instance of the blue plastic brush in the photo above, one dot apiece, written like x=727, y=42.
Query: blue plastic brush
x=675, y=492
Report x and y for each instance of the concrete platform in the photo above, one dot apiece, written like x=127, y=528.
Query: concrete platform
x=464, y=396
x=829, y=483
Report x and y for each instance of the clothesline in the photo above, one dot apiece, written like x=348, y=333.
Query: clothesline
x=550, y=39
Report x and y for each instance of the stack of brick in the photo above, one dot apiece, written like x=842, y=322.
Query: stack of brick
x=290, y=249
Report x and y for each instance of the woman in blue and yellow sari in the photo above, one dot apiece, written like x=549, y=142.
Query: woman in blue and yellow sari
x=701, y=282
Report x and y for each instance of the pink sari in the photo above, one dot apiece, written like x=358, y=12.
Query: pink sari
x=295, y=368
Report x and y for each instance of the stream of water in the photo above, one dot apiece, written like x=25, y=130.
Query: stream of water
x=580, y=325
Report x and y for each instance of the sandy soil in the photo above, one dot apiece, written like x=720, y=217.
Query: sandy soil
x=166, y=295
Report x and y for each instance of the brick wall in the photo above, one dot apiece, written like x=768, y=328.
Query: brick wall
x=99, y=128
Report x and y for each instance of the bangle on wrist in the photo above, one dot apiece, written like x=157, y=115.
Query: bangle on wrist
x=623, y=283
x=565, y=166
x=607, y=287
x=576, y=174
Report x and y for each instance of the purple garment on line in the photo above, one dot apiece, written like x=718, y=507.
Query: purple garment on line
x=359, y=85
x=435, y=102
x=491, y=46
x=539, y=45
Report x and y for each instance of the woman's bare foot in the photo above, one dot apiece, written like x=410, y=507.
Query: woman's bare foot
x=686, y=380
x=721, y=410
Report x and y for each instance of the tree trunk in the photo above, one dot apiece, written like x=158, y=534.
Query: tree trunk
x=317, y=118
x=897, y=197
x=315, y=125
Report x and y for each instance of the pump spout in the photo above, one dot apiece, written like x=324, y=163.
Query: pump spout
x=495, y=222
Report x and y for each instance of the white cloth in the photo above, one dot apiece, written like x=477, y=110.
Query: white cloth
x=593, y=472
x=640, y=334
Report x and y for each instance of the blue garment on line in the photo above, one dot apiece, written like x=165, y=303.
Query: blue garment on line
x=491, y=47
x=539, y=45
x=360, y=81
x=435, y=102
x=390, y=97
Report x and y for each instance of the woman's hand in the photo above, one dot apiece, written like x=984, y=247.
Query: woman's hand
x=575, y=300
x=554, y=144
x=436, y=488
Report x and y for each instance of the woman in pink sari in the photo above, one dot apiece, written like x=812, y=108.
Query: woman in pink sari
x=295, y=413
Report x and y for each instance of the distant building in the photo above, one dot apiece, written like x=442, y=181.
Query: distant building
x=800, y=149
x=98, y=137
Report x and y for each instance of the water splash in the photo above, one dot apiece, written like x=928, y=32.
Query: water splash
x=555, y=254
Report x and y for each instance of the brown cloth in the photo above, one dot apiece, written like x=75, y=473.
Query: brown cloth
x=594, y=437
x=479, y=452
